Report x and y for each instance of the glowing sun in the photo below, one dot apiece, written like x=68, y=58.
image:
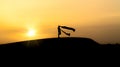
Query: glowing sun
x=31, y=33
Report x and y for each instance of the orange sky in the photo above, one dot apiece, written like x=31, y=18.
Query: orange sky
x=96, y=19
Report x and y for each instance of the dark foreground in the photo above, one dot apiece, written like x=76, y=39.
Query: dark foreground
x=58, y=43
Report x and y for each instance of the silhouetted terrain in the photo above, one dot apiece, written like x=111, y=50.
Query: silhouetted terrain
x=58, y=43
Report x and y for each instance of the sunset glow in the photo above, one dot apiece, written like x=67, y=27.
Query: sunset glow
x=24, y=19
x=31, y=33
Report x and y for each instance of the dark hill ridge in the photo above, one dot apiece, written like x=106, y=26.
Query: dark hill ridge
x=73, y=42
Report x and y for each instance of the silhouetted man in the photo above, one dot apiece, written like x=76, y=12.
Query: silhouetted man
x=64, y=27
x=59, y=31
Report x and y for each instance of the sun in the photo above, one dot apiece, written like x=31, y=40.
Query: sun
x=31, y=33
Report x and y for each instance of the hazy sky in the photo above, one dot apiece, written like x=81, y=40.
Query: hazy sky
x=96, y=19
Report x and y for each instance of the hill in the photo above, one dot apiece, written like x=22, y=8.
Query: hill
x=73, y=42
